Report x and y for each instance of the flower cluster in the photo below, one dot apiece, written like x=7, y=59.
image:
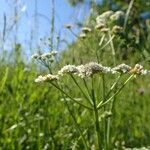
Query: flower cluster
x=122, y=68
x=117, y=15
x=89, y=69
x=68, y=69
x=48, y=77
x=102, y=21
x=85, y=31
x=45, y=57
x=138, y=69
x=103, y=18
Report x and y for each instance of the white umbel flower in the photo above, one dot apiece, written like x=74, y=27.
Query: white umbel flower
x=35, y=56
x=122, y=68
x=117, y=15
x=104, y=16
x=86, y=30
x=48, y=77
x=139, y=69
x=68, y=69
x=91, y=68
x=54, y=53
x=45, y=56
x=82, y=35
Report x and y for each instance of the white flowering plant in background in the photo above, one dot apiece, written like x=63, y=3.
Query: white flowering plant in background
x=89, y=79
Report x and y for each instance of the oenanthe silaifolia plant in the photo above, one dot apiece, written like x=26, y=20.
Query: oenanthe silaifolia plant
x=90, y=80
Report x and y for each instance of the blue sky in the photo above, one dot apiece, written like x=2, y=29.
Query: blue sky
x=41, y=29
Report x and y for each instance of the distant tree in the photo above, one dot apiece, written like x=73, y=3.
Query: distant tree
x=103, y=5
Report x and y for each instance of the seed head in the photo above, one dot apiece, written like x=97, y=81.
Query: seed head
x=138, y=69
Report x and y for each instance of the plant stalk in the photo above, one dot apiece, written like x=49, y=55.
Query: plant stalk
x=97, y=126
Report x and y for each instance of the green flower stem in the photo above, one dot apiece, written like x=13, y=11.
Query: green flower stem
x=102, y=39
x=112, y=104
x=107, y=42
x=105, y=119
x=100, y=105
x=61, y=90
x=76, y=124
x=113, y=86
x=96, y=117
x=85, y=96
x=86, y=86
x=112, y=47
x=127, y=15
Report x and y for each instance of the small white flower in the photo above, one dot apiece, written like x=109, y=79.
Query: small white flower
x=40, y=79
x=41, y=134
x=86, y=30
x=117, y=15
x=42, y=57
x=117, y=29
x=123, y=68
x=91, y=68
x=144, y=72
x=54, y=53
x=100, y=26
x=107, y=14
x=48, y=77
x=81, y=71
x=105, y=30
x=46, y=55
x=82, y=35
x=51, y=77
x=103, y=18
x=49, y=55
x=35, y=56
x=68, y=69
x=139, y=69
